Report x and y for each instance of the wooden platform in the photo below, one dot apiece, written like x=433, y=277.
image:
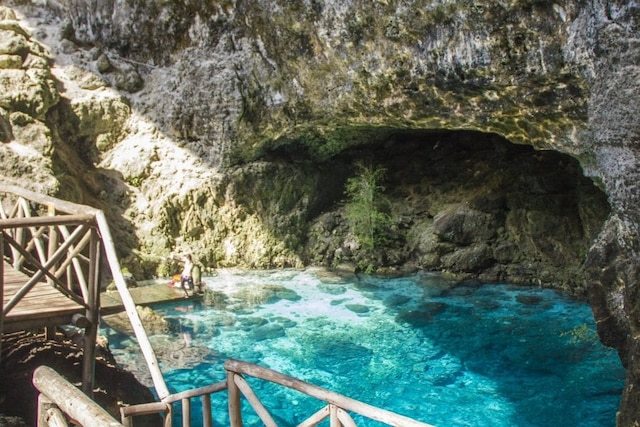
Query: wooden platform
x=42, y=306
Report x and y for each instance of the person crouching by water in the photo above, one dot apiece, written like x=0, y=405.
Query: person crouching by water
x=186, y=279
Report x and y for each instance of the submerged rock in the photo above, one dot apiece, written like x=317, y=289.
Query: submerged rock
x=153, y=322
x=423, y=315
x=396, y=300
x=250, y=323
x=529, y=299
x=267, y=332
x=332, y=289
x=358, y=308
x=215, y=299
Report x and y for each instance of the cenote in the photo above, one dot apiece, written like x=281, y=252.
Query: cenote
x=441, y=352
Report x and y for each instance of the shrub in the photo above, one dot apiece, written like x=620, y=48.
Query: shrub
x=366, y=211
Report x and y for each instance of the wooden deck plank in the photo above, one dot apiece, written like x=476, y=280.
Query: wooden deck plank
x=43, y=304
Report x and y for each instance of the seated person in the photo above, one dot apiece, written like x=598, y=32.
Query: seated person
x=186, y=280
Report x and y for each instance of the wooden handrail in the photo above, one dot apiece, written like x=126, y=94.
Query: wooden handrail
x=157, y=408
x=333, y=398
x=60, y=205
x=344, y=418
x=164, y=407
x=72, y=214
x=40, y=221
x=316, y=418
x=130, y=306
x=43, y=271
x=196, y=392
x=75, y=404
x=255, y=403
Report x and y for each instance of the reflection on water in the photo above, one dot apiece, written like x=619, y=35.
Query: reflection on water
x=447, y=354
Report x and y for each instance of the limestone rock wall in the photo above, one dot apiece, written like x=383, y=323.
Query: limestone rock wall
x=218, y=127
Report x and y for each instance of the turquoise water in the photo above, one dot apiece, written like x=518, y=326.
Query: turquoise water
x=491, y=355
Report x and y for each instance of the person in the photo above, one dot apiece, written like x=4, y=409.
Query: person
x=186, y=280
x=196, y=274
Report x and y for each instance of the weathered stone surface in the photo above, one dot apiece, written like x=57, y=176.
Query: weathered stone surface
x=31, y=91
x=471, y=259
x=101, y=121
x=462, y=225
x=103, y=64
x=5, y=126
x=296, y=86
x=129, y=80
x=10, y=61
x=7, y=13
x=12, y=43
x=31, y=132
x=152, y=321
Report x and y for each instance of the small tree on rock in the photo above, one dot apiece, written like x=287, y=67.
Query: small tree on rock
x=365, y=211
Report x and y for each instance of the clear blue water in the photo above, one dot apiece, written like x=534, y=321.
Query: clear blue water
x=491, y=355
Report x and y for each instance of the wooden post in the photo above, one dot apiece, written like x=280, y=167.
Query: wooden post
x=55, y=418
x=70, y=400
x=50, y=333
x=235, y=415
x=186, y=412
x=53, y=241
x=255, y=403
x=333, y=416
x=345, y=419
x=127, y=413
x=130, y=307
x=206, y=411
x=91, y=331
x=17, y=261
x=127, y=421
x=168, y=417
x=44, y=404
x=76, y=265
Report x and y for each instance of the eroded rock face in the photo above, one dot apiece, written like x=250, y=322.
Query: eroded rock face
x=235, y=138
x=477, y=206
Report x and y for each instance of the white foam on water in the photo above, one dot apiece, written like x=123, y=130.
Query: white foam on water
x=370, y=355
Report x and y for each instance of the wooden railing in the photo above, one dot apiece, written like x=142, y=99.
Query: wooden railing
x=337, y=409
x=61, y=404
x=64, y=242
x=165, y=407
x=63, y=249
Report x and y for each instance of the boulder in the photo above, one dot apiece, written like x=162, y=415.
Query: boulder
x=463, y=225
x=471, y=259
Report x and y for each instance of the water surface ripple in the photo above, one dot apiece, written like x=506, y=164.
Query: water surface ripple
x=450, y=355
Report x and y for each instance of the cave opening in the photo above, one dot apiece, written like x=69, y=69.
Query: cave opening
x=469, y=203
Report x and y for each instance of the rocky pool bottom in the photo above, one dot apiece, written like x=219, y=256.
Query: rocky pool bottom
x=440, y=352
